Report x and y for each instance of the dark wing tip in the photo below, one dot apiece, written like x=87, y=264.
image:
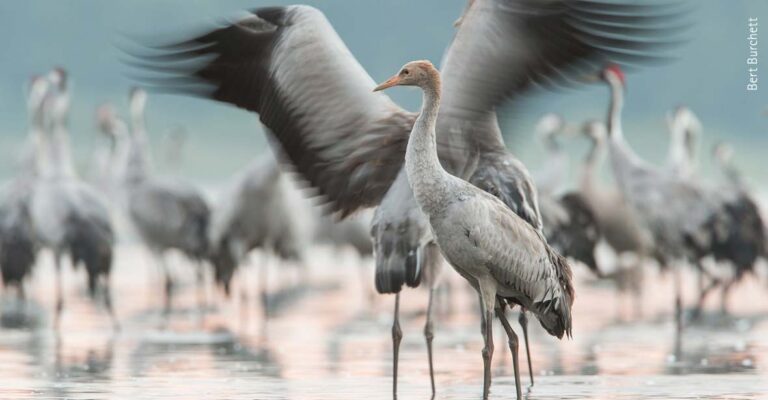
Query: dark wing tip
x=581, y=37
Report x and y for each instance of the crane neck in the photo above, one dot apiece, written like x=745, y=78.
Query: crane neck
x=35, y=159
x=59, y=150
x=731, y=173
x=120, y=150
x=620, y=149
x=615, y=109
x=137, y=162
x=428, y=179
x=591, y=163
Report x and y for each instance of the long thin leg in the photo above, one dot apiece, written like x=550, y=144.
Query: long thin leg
x=724, y=298
x=637, y=292
x=168, y=282
x=397, y=336
x=263, y=284
x=200, y=281
x=514, y=345
x=429, y=334
x=486, y=328
x=703, y=297
x=523, y=320
x=108, y=303
x=678, y=311
x=59, y=293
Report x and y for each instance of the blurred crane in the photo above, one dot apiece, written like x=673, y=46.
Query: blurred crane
x=568, y=221
x=68, y=216
x=18, y=244
x=618, y=222
x=676, y=212
x=259, y=210
x=167, y=213
x=739, y=237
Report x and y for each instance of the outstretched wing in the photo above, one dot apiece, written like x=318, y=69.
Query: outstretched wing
x=288, y=65
x=505, y=47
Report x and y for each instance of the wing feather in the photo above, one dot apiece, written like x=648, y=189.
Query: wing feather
x=288, y=65
x=504, y=48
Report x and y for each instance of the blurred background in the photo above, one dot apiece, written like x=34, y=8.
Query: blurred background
x=708, y=74
x=328, y=334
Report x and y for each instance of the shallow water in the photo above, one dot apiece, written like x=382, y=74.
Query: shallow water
x=327, y=339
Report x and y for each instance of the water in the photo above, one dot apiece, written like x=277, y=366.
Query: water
x=327, y=339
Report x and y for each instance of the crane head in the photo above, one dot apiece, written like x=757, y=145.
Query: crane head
x=37, y=90
x=58, y=77
x=416, y=73
x=105, y=116
x=613, y=70
x=595, y=130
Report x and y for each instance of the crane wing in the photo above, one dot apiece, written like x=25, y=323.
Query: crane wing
x=503, y=48
x=505, y=177
x=288, y=65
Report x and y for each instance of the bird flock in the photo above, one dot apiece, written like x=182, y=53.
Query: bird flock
x=414, y=190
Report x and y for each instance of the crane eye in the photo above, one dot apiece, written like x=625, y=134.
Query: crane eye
x=404, y=72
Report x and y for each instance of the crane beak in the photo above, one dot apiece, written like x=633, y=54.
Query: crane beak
x=393, y=81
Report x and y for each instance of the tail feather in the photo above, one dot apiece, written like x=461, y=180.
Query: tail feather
x=17, y=255
x=554, y=314
x=577, y=236
x=90, y=243
x=224, y=264
x=398, y=260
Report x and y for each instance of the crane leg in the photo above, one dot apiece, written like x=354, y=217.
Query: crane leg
x=200, y=280
x=523, y=320
x=429, y=334
x=263, y=284
x=397, y=337
x=678, y=311
x=724, y=298
x=514, y=344
x=487, y=301
x=703, y=297
x=59, y=291
x=168, y=282
x=108, y=303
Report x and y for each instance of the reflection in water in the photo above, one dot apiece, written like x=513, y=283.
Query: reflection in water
x=325, y=341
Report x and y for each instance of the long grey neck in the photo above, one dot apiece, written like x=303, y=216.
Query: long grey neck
x=36, y=161
x=138, y=122
x=592, y=163
x=428, y=179
x=59, y=149
x=732, y=174
x=62, y=148
x=138, y=163
x=614, y=113
x=620, y=149
x=678, y=157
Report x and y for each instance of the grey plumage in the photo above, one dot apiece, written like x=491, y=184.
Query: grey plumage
x=289, y=66
x=617, y=220
x=68, y=216
x=259, y=210
x=18, y=244
x=399, y=232
x=571, y=228
x=505, y=258
x=569, y=223
x=167, y=213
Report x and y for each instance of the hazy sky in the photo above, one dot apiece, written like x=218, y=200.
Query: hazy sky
x=709, y=75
